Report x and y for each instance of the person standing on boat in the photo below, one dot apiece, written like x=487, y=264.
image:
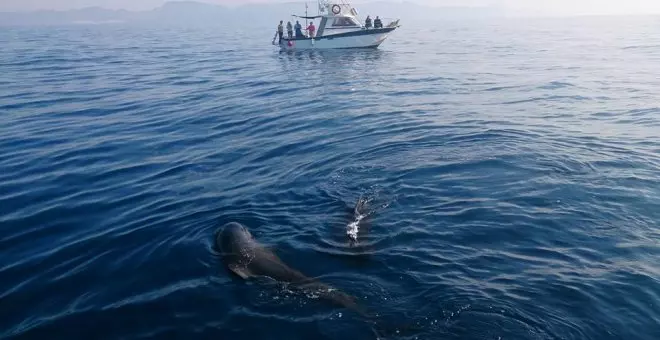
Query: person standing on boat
x=280, y=30
x=289, y=29
x=367, y=23
x=298, y=27
x=378, y=23
x=311, y=29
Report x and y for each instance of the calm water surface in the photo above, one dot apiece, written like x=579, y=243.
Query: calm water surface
x=513, y=167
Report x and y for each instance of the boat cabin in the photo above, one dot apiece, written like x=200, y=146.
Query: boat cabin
x=337, y=24
x=336, y=18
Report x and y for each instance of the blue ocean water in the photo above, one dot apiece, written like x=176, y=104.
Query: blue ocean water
x=512, y=165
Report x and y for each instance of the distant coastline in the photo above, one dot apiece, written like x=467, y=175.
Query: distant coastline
x=262, y=14
x=190, y=12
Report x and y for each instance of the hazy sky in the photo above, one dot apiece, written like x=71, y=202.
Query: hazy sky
x=545, y=6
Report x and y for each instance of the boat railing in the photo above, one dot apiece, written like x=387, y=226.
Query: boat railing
x=390, y=22
x=387, y=22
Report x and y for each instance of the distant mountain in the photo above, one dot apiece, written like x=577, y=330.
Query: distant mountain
x=247, y=15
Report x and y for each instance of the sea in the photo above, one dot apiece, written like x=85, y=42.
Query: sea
x=511, y=169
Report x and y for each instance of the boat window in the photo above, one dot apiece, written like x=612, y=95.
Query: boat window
x=344, y=21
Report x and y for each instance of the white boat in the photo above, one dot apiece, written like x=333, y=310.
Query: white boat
x=338, y=27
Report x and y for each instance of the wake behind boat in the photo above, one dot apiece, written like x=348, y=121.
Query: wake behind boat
x=339, y=27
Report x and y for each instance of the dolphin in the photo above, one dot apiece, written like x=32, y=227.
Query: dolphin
x=360, y=213
x=247, y=258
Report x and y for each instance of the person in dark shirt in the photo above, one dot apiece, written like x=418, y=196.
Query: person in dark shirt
x=299, y=33
x=378, y=23
x=289, y=29
x=367, y=23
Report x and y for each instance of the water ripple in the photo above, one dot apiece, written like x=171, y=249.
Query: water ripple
x=512, y=181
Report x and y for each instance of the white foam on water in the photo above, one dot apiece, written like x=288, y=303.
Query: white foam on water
x=354, y=227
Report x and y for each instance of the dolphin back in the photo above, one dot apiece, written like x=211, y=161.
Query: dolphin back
x=335, y=296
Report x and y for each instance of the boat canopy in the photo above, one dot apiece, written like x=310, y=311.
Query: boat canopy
x=304, y=17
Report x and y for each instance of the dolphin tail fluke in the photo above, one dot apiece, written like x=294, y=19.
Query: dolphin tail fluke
x=382, y=331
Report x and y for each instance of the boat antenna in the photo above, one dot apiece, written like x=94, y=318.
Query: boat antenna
x=306, y=15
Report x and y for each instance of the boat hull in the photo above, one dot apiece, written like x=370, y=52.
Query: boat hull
x=362, y=39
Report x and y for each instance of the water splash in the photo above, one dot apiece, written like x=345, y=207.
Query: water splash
x=354, y=228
